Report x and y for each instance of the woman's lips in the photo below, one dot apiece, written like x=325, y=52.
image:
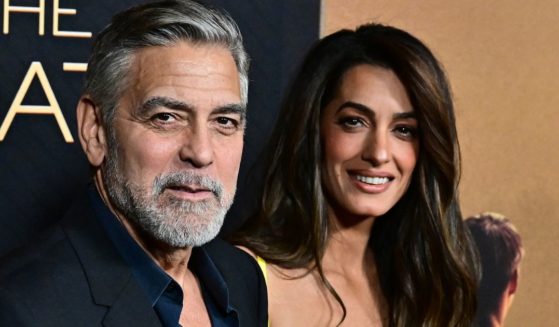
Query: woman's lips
x=374, y=184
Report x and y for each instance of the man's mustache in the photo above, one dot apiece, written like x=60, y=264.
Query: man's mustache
x=187, y=179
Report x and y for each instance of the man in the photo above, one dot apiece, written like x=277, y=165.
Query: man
x=500, y=251
x=161, y=122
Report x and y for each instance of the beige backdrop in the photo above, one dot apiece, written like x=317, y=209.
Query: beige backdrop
x=502, y=58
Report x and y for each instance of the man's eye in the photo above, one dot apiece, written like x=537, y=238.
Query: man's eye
x=163, y=117
x=227, y=122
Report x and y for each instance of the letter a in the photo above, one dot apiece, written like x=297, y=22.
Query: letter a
x=53, y=109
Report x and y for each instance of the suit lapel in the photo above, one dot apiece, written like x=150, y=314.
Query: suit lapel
x=111, y=281
x=126, y=311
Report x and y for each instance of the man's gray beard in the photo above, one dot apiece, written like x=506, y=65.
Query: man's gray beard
x=176, y=222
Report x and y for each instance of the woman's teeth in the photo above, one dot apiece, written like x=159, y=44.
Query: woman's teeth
x=372, y=180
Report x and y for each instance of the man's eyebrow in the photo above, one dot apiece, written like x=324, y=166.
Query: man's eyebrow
x=166, y=102
x=233, y=108
x=370, y=112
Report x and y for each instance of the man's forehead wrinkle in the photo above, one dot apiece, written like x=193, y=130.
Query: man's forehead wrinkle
x=189, y=69
x=182, y=70
x=181, y=58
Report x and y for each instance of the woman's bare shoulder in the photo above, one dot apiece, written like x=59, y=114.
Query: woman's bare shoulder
x=247, y=250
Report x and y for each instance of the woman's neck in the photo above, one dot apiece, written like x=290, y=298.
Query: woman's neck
x=349, y=264
x=347, y=250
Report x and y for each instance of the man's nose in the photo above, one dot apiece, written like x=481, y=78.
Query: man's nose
x=197, y=147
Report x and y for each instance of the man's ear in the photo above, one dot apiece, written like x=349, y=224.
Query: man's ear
x=91, y=131
x=513, y=282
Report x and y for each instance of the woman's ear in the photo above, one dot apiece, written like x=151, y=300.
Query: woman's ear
x=90, y=131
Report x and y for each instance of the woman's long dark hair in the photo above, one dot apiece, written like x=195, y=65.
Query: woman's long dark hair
x=426, y=265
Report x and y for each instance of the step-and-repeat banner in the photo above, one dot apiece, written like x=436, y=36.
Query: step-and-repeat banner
x=44, y=46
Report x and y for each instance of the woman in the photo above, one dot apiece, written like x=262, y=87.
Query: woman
x=359, y=221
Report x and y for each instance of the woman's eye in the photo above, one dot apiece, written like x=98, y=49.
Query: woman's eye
x=351, y=122
x=406, y=131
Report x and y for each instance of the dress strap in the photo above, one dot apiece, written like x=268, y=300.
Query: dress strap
x=262, y=263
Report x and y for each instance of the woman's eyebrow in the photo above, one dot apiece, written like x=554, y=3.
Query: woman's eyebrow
x=368, y=111
x=405, y=115
x=357, y=106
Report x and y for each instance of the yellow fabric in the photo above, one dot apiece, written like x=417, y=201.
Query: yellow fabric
x=262, y=264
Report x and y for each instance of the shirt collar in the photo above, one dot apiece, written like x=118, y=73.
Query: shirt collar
x=211, y=279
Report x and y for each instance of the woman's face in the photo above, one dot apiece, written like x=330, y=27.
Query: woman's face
x=369, y=141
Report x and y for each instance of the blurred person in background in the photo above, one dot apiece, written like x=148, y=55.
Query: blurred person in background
x=500, y=252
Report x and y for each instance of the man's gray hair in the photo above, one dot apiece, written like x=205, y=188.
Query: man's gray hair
x=160, y=23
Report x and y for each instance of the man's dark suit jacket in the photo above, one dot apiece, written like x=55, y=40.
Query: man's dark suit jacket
x=74, y=276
